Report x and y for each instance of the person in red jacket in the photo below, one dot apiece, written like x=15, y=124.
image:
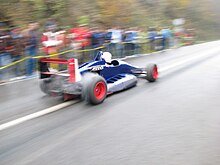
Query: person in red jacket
x=82, y=36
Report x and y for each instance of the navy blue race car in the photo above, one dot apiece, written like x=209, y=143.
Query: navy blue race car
x=93, y=80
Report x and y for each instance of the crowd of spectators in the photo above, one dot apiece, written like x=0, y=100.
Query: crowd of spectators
x=17, y=43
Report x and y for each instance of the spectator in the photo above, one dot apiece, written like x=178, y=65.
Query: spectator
x=53, y=41
x=130, y=41
x=18, y=50
x=158, y=41
x=166, y=33
x=189, y=36
x=31, y=47
x=5, y=49
x=152, y=33
x=82, y=35
x=108, y=36
x=97, y=40
x=50, y=41
x=116, y=39
x=178, y=35
x=141, y=41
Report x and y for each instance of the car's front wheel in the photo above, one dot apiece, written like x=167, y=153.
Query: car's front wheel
x=152, y=72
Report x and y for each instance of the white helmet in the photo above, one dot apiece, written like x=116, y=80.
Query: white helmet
x=107, y=57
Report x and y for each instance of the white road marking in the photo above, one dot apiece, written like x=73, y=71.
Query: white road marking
x=37, y=114
x=184, y=61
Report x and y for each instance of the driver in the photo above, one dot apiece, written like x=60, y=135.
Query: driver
x=107, y=57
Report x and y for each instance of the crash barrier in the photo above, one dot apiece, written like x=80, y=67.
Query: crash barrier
x=62, y=53
x=43, y=56
x=118, y=50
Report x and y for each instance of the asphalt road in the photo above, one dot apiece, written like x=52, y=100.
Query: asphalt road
x=174, y=121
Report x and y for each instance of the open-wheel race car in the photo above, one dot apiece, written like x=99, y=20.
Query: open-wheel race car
x=93, y=80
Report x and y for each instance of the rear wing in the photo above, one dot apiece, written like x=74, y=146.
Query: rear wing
x=72, y=71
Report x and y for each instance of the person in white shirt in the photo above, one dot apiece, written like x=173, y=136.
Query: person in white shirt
x=116, y=39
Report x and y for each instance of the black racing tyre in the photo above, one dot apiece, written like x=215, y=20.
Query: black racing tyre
x=44, y=85
x=95, y=89
x=152, y=72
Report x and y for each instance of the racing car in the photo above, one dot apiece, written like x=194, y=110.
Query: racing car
x=93, y=80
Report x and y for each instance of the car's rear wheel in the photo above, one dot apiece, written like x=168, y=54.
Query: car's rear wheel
x=95, y=89
x=44, y=85
x=152, y=72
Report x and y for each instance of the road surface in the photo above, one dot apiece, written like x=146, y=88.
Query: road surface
x=174, y=121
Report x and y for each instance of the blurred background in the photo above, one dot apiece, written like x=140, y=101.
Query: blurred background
x=29, y=28
x=202, y=15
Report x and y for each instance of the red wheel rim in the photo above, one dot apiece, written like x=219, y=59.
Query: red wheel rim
x=100, y=90
x=155, y=72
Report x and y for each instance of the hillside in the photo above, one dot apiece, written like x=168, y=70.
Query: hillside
x=199, y=14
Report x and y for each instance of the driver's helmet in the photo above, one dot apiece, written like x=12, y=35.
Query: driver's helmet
x=107, y=57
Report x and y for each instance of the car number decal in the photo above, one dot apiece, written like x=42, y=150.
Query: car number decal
x=97, y=68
